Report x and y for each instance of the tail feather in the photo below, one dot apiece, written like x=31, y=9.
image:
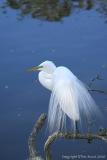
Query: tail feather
x=70, y=99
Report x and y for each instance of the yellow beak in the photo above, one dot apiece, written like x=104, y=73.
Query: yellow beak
x=33, y=69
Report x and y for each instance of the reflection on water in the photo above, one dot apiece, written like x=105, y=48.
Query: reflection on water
x=54, y=10
x=103, y=7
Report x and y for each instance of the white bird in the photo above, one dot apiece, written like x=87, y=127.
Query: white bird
x=69, y=96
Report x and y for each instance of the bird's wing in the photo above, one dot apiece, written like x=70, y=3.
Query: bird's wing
x=69, y=97
x=62, y=102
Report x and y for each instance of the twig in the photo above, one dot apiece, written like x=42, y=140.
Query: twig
x=94, y=79
x=97, y=77
x=98, y=90
x=33, y=154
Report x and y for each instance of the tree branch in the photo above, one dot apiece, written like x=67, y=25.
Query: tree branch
x=56, y=135
x=33, y=154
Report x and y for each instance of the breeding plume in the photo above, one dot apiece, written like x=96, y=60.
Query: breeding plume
x=69, y=96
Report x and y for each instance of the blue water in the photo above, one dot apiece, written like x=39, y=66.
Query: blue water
x=79, y=42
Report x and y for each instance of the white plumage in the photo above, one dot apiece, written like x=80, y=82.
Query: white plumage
x=69, y=96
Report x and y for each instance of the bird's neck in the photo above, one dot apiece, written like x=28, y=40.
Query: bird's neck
x=46, y=80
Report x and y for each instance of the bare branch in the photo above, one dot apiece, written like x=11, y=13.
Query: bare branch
x=56, y=135
x=33, y=154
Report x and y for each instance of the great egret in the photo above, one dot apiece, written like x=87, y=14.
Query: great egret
x=69, y=95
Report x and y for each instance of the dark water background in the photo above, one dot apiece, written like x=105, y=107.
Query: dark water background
x=78, y=41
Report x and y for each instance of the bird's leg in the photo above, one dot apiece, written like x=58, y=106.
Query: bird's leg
x=90, y=123
x=76, y=127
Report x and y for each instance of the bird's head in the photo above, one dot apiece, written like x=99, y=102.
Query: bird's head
x=46, y=66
